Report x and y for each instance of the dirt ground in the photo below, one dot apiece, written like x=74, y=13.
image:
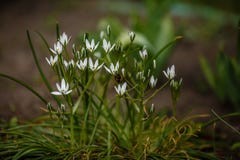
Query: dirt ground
x=16, y=59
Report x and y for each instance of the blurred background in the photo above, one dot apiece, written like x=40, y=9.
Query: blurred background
x=207, y=28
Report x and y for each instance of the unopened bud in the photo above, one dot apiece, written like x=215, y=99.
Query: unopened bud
x=108, y=30
x=62, y=107
x=102, y=33
x=152, y=108
x=85, y=37
x=131, y=35
x=49, y=107
x=118, y=47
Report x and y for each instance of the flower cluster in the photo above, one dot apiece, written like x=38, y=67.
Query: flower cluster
x=89, y=58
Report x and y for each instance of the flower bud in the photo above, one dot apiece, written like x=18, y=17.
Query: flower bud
x=131, y=35
x=85, y=37
x=108, y=30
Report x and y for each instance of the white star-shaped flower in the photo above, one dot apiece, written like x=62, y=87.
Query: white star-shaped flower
x=82, y=64
x=63, y=89
x=112, y=69
x=107, y=46
x=143, y=54
x=91, y=46
x=94, y=66
x=64, y=39
x=121, y=89
x=52, y=60
x=153, y=81
x=70, y=63
x=170, y=73
x=57, y=48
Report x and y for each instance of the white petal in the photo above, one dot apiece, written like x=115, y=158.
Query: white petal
x=96, y=46
x=92, y=43
x=96, y=64
x=68, y=92
x=62, y=84
x=87, y=44
x=48, y=61
x=124, y=86
x=108, y=70
x=53, y=51
x=58, y=87
x=56, y=93
x=117, y=89
x=117, y=65
x=90, y=63
x=165, y=74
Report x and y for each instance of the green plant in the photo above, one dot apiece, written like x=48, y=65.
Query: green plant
x=224, y=80
x=85, y=122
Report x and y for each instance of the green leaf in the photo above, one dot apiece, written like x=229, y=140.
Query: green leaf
x=24, y=85
x=235, y=146
x=39, y=67
x=207, y=72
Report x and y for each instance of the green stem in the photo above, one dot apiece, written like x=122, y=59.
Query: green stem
x=156, y=92
x=226, y=123
x=72, y=127
x=70, y=104
x=130, y=115
x=174, y=107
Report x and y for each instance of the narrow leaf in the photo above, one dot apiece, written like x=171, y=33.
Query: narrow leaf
x=39, y=67
x=24, y=85
x=207, y=72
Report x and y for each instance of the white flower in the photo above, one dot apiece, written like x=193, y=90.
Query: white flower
x=91, y=47
x=52, y=60
x=57, y=48
x=94, y=66
x=112, y=69
x=64, y=39
x=107, y=46
x=63, y=89
x=121, y=89
x=70, y=63
x=153, y=81
x=131, y=35
x=170, y=73
x=82, y=64
x=143, y=53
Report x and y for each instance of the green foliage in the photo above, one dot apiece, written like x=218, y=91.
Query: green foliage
x=154, y=28
x=162, y=138
x=85, y=122
x=224, y=80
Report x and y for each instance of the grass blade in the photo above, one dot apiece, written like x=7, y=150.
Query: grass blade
x=221, y=119
x=24, y=85
x=39, y=67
